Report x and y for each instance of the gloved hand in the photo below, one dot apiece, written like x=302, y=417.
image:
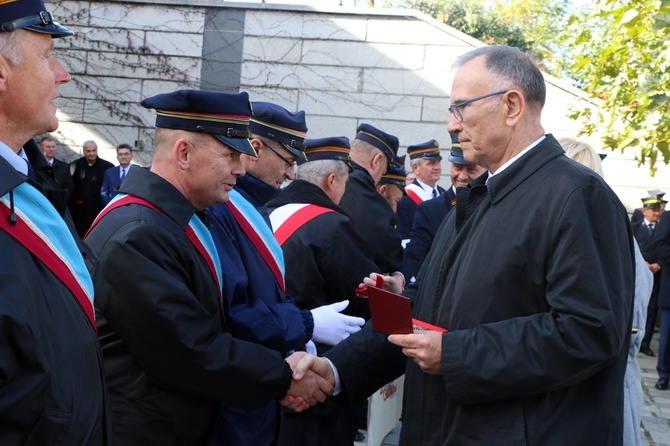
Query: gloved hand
x=331, y=327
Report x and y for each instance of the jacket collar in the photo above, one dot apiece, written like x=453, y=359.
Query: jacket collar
x=156, y=190
x=10, y=178
x=255, y=191
x=300, y=191
x=501, y=185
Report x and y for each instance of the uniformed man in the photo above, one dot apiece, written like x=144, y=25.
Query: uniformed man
x=643, y=232
x=51, y=386
x=170, y=359
x=391, y=186
x=427, y=167
x=324, y=264
x=430, y=214
x=372, y=152
x=253, y=281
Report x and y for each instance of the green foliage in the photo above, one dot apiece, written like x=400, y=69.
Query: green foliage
x=621, y=54
x=476, y=19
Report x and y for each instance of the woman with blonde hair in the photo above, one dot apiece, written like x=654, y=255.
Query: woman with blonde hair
x=583, y=153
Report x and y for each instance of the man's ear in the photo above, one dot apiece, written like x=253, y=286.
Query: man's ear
x=259, y=147
x=377, y=160
x=4, y=73
x=515, y=106
x=182, y=151
x=328, y=182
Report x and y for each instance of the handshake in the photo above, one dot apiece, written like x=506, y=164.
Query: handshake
x=313, y=381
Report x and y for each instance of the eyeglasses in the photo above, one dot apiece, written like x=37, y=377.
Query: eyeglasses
x=455, y=109
x=287, y=162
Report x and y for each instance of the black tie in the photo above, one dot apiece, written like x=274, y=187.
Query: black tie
x=31, y=172
x=650, y=227
x=434, y=193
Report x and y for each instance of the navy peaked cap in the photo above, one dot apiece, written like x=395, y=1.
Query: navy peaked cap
x=399, y=161
x=388, y=144
x=278, y=124
x=222, y=115
x=395, y=174
x=31, y=15
x=652, y=202
x=429, y=150
x=456, y=154
x=332, y=148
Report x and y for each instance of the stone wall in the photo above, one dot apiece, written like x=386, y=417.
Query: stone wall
x=390, y=68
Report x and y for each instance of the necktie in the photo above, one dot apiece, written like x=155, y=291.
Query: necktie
x=31, y=172
x=434, y=193
x=650, y=227
x=123, y=174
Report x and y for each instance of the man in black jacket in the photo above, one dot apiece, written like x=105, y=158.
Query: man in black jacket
x=643, y=231
x=51, y=386
x=537, y=303
x=324, y=264
x=88, y=174
x=372, y=151
x=169, y=357
x=60, y=168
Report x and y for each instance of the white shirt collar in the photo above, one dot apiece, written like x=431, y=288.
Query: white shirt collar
x=516, y=157
x=17, y=161
x=426, y=187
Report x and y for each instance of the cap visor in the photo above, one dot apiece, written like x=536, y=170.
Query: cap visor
x=297, y=152
x=242, y=145
x=55, y=29
x=457, y=160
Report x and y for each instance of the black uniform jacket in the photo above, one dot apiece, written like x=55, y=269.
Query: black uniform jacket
x=374, y=220
x=168, y=359
x=538, y=308
x=51, y=383
x=661, y=252
x=324, y=259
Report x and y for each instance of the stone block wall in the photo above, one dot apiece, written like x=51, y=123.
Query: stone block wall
x=390, y=68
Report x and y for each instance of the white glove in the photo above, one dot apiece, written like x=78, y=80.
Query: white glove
x=331, y=327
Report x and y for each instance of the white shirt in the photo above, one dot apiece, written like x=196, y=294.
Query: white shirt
x=424, y=191
x=516, y=157
x=17, y=162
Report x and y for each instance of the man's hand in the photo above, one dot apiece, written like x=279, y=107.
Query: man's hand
x=390, y=283
x=654, y=267
x=308, y=388
x=424, y=348
x=320, y=366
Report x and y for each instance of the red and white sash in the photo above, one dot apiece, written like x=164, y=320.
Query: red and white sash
x=296, y=220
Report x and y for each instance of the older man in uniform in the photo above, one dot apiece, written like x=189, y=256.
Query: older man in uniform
x=52, y=390
x=324, y=264
x=538, y=331
x=427, y=167
x=170, y=359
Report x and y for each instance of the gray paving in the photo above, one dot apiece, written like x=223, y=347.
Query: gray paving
x=655, y=428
